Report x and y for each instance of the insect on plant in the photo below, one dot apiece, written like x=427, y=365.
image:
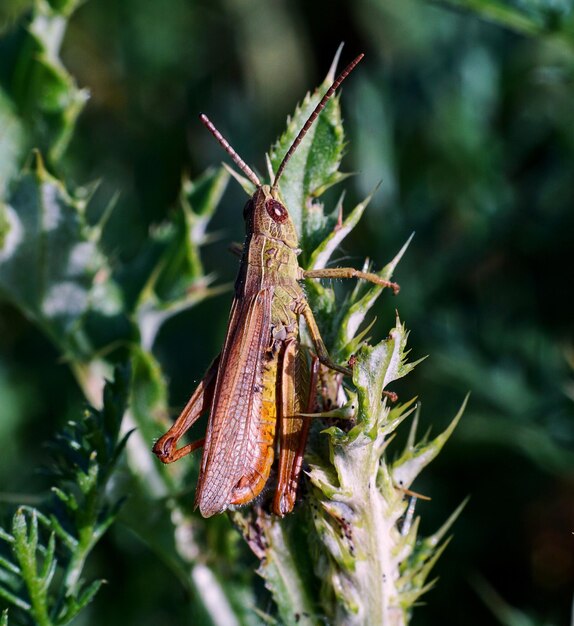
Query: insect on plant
x=259, y=388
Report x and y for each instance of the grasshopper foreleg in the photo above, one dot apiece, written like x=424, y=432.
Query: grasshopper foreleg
x=351, y=272
x=166, y=446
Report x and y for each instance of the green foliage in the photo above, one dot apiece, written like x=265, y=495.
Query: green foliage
x=544, y=18
x=44, y=92
x=463, y=109
x=55, y=270
x=41, y=576
x=51, y=262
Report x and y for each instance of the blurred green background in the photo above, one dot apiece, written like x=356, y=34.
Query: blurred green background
x=465, y=112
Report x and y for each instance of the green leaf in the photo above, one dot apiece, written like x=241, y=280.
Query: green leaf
x=323, y=252
x=520, y=19
x=75, y=604
x=284, y=563
x=50, y=265
x=53, y=269
x=416, y=457
x=11, y=149
x=47, y=586
x=314, y=165
x=25, y=531
x=359, y=304
x=181, y=268
x=46, y=94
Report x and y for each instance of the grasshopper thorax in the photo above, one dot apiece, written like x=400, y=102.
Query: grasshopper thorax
x=265, y=214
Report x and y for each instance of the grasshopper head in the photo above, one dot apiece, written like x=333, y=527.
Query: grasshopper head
x=265, y=214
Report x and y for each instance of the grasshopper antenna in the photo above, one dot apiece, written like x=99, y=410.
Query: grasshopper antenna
x=312, y=117
x=230, y=151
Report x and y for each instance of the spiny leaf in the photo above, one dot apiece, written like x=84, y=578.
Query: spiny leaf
x=12, y=141
x=46, y=94
x=49, y=262
x=434, y=539
x=245, y=183
x=313, y=166
x=413, y=460
x=359, y=306
x=181, y=265
x=378, y=366
x=283, y=569
x=322, y=253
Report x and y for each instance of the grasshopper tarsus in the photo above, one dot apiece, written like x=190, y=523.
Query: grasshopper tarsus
x=166, y=452
x=327, y=362
x=412, y=494
x=391, y=395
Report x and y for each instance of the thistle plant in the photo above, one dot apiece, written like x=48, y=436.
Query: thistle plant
x=355, y=516
x=44, y=554
x=358, y=518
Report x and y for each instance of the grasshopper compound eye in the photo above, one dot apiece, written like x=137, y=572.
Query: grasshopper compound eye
x=276, y=211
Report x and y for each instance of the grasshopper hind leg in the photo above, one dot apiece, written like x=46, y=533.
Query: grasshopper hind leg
x=298, y=385
x=165, y=447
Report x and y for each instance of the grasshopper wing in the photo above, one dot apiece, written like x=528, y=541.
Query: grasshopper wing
x=238, y=450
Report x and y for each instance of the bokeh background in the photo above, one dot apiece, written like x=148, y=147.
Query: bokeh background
x=465, y=112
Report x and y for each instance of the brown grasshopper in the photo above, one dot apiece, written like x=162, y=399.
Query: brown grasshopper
x=256, y=386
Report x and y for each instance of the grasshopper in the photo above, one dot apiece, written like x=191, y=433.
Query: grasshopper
x=254, y=390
